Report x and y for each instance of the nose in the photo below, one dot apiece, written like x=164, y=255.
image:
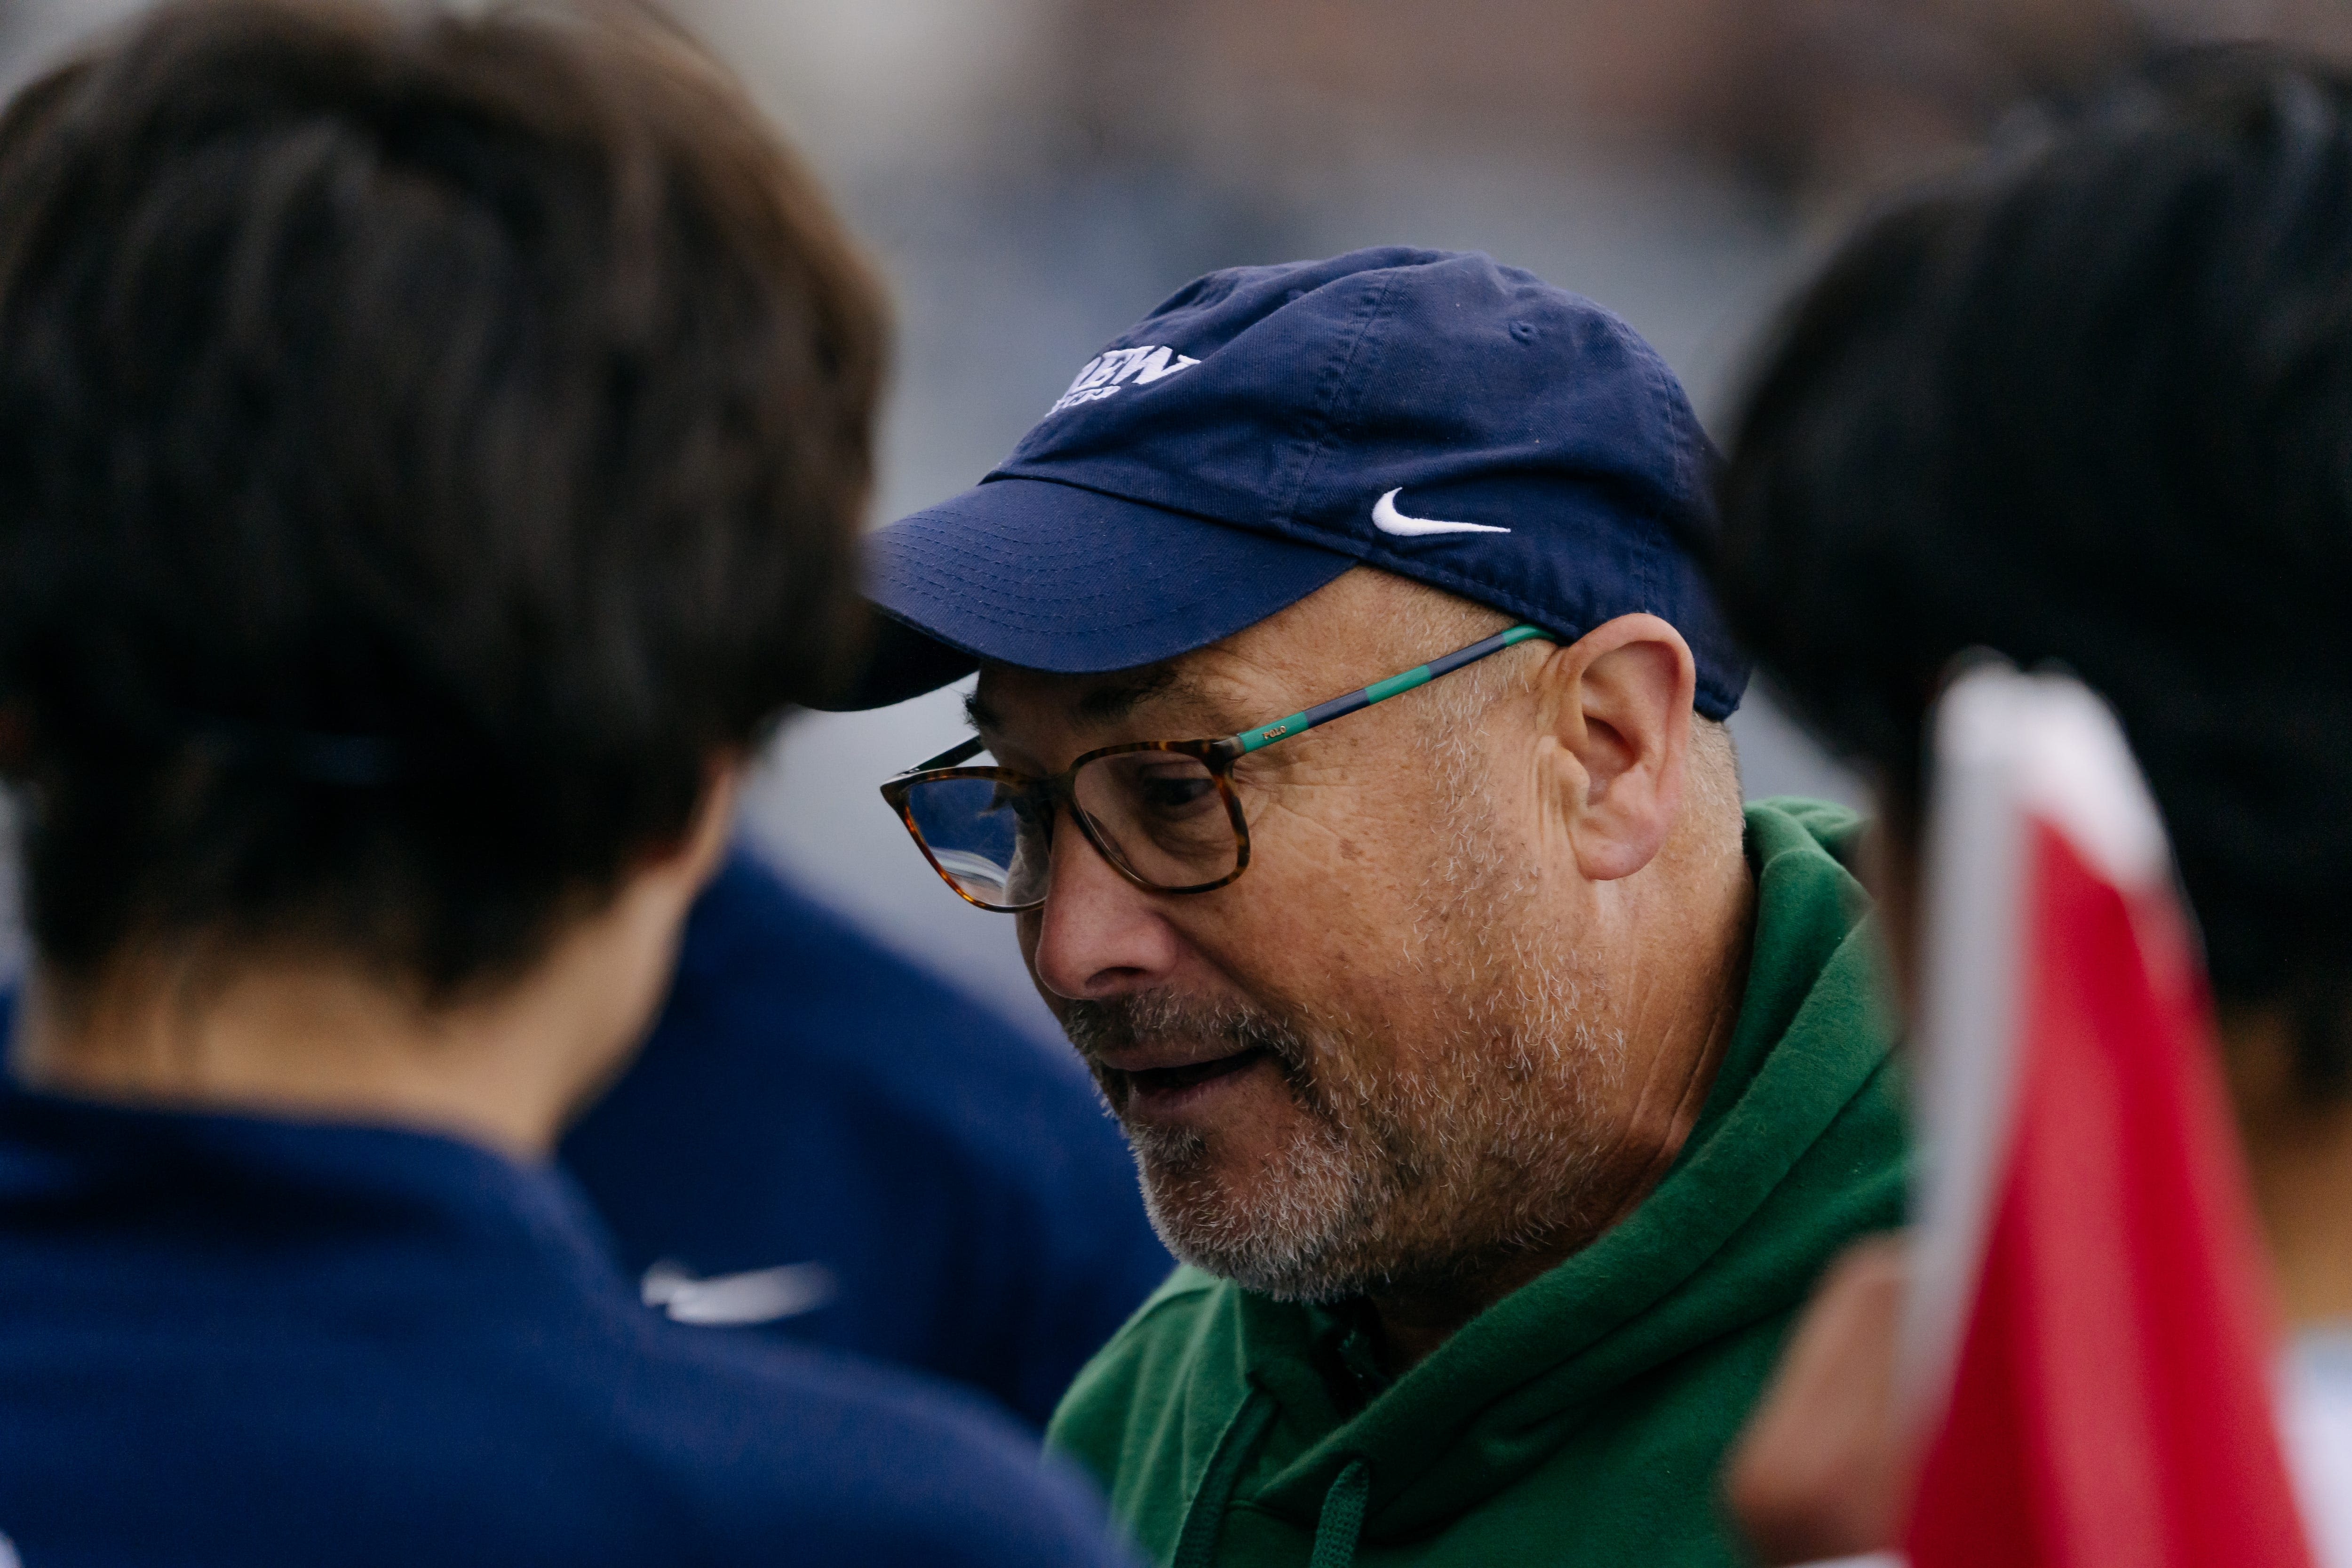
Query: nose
x=1098, y=935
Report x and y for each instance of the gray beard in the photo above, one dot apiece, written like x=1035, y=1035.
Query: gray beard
x=1408, y=1174
x=1396, y=1181
x=1292, y=1234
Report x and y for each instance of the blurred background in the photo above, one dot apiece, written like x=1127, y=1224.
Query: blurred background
x=1034, y=175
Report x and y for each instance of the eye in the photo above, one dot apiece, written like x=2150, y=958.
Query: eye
x=1172, y=791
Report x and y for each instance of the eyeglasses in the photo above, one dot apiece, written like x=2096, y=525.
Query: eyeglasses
x=1163, y=813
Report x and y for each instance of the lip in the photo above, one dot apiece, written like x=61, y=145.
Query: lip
x=1183, y=1089
x=1167, y=1055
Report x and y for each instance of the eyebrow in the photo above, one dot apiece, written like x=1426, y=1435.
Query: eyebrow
x=1106, y=703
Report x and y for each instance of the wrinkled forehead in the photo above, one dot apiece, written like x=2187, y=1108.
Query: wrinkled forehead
x=1338, y=637
x=1038, y=709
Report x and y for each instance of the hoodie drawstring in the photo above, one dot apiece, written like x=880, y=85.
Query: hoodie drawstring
x=1196, y=1545
x=1343, y=1520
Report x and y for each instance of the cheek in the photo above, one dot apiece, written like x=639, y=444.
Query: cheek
x=1321, y=929
x=1287, y=914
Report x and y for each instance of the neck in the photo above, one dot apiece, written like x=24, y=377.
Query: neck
x=314, y=1037
x=311, y=1040
x=2299, y=1160
x=1685, y=997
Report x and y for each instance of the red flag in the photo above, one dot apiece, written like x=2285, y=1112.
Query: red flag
x=2089, y=1347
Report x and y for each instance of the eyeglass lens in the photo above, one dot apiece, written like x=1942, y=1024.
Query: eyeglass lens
x=989, y=838
x=1158, y=813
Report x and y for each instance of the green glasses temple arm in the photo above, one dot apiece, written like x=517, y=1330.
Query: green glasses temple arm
x=1249, y=740
x=1381, y=691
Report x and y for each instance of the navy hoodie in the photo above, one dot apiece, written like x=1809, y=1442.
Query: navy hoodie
x=228, y=1340
x=913, y=1178
x=917, y=1180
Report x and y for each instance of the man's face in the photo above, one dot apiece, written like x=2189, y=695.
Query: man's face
x=1381, y=1056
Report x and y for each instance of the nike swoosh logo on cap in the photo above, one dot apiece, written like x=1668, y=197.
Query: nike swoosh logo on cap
x=758, y=1295
x=1387, y=520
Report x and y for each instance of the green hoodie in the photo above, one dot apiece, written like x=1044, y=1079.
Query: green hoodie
x=1581, y=1419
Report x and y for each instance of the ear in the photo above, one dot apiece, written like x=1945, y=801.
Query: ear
x=687, y=861
x=714, y=816
x=1617, y=715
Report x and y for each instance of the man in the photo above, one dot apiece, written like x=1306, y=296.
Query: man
x=432, y=450
x=1501, y=1085
x=2091, y=404
x=823, y=1142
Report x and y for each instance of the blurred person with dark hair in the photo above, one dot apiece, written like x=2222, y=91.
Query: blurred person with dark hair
x=1350, y=756
x=2091, y=405
x=429, y=456
x=823, y=1142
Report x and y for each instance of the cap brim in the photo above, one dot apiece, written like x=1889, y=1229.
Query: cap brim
x=1048, y=577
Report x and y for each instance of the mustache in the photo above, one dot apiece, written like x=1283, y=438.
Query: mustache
x=1122, y=1022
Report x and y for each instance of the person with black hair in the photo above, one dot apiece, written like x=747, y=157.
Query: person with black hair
x=430, y=452
x=2090, y=404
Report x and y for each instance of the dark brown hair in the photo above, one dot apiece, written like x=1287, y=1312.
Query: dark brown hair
x=426, y=443
x=2091, y=405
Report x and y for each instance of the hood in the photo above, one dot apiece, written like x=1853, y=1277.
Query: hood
x=1796, y=1151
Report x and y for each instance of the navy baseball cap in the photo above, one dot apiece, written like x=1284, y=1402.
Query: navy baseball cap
x=1426, y=412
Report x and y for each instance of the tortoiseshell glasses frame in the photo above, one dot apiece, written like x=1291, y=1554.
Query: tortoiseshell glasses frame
x=1151, y=818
